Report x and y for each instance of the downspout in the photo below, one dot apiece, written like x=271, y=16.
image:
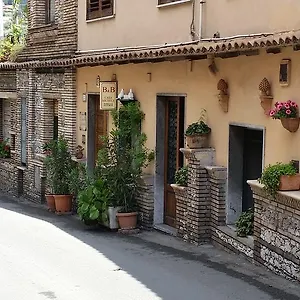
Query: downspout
x=202, y=2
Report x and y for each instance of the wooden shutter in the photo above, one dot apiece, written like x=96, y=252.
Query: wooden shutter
x=99, y=8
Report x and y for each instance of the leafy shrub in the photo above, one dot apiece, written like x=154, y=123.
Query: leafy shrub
x=271, y=176
x=93, y=203
x=59, y=164
x=244, y=223
x=181, y=176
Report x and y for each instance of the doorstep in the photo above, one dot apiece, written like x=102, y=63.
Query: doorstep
x=226, y=237
x=165, y=229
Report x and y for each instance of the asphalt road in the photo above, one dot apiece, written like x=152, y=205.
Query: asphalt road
x=43, y=256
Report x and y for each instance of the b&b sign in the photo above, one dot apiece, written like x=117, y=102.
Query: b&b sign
x=108, y=95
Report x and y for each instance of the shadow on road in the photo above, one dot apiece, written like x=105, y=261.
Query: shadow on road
x=119, y=245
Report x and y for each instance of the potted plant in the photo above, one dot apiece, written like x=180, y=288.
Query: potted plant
x=46, y=148
x=59, y=164
x=197, y=133
x=287, y=113
x=121, y=160
x=93, y=203
x=181, y=176
x=280, y=177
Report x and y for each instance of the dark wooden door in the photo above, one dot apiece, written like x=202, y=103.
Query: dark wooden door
x=101, y=117
x=174, y=140
x=252, y=167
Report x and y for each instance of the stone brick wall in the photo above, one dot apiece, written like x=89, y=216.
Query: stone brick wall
x=8, y=176
x=55, y=40
x=145, y=199
x=277, y=231
x=8, y=81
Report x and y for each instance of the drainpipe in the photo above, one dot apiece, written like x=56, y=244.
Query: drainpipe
x=202, y=2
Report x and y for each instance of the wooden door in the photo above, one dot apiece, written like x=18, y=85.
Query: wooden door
x=174, y=140
x=101, y=117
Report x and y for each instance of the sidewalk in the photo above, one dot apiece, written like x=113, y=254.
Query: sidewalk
x=202, y=263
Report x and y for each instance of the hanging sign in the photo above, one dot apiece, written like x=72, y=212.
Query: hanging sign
x=108, y=95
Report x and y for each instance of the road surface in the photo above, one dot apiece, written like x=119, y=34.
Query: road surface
x=43, y=256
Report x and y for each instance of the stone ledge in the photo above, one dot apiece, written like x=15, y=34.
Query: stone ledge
x=206, y=156
x=289, y=198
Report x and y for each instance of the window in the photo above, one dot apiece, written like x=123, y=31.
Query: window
x=161, y=2
x=99, y=9
x=50, y=11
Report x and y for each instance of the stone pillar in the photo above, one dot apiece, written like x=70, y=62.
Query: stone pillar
x=217, y=180
x=181, y=211
x=145, y=200
x=198, y=194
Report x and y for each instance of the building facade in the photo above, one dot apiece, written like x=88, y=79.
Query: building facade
x=40, y=100
x=173, y=54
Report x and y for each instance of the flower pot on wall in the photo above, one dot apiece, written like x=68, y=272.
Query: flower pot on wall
x=289, y=182
x=290, y=124
x=197, y=141
x=63, y=203
x=50, y=202
x=127, y=220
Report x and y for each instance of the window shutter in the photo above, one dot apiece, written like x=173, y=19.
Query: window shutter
x=99, y=8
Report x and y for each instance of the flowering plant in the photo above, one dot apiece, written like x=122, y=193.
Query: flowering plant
x=287, y=109
x=4, y=149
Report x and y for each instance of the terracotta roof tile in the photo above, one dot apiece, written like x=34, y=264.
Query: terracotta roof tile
x=207, y=46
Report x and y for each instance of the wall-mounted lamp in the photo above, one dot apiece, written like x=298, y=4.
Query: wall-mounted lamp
x=98, y=81
x=114, y=77
x=149, y=77
x=84, y=97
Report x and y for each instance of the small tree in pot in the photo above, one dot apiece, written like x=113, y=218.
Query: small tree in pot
x=121, y=160
x=197, y=133
x=59, y=165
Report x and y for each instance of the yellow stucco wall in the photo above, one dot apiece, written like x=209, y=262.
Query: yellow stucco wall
x=233, y=17
x=143, y=23
x=243, y=75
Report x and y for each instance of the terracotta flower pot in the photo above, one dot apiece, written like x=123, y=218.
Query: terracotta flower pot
x=197, y=141
x=127, y=220
x=63, y=203
x=290, y=124
x=50, y=202
x=289, y=182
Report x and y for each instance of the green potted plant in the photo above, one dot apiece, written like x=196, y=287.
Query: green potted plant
x=197, y=133
x=287, y=113
x=280, y=177
x=181, y=176
x=58, y=165
x=93, y=203
x=121, y=160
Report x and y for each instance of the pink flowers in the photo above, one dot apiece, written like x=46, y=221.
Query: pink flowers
x=288, y=109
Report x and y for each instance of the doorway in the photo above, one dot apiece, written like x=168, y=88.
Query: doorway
x=246, y=155
x=97, y=127
x=169, y=140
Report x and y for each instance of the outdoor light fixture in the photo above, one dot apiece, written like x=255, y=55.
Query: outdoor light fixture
x=126, y=98
x=98, y=81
